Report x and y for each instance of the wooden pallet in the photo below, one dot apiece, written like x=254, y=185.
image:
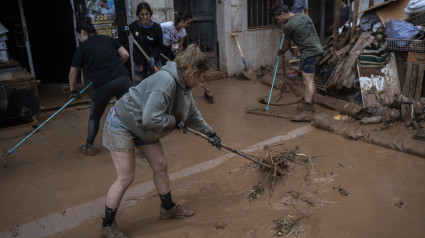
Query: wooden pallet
x=413, y=83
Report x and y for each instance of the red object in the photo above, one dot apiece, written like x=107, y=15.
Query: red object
x=293, y=73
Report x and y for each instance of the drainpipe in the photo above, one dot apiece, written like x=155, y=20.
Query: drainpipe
x=322, y=20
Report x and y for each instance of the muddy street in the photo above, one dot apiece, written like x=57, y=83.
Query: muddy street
x=346, y=189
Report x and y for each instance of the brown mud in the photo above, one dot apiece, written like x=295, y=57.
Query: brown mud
x=346, y=188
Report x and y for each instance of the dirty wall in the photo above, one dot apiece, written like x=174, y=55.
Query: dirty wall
x=259, y=46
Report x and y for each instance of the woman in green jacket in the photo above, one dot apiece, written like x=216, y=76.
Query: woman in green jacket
x=149, y=111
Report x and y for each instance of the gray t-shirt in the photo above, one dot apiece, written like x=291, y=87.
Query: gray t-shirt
x=298, y=6
x=300, y=29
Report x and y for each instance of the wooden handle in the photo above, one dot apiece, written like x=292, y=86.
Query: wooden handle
x=237, y=42
x=205, y=88
x=165, y=57
x=140, y=48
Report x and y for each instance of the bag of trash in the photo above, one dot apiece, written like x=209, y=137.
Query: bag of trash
x=415, y=6
x=368, y=20
x=400, y=30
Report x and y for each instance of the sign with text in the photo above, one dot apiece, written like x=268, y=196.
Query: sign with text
x=103, y=18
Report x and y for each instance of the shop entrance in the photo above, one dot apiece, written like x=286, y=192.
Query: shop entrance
x=51, y=35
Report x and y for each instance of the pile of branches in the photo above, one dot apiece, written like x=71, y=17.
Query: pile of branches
x=281, y=161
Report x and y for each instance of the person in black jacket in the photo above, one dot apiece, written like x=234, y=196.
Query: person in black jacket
x=104, y=57
x=149, y=36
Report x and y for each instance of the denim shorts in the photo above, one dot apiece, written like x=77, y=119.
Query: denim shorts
x=309, y=64
x=117, y=136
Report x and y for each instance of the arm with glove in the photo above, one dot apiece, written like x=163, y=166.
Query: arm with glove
x=215, y=140
x=196, y=122
x=285, y=47
x=157, y=46
x=73, y=74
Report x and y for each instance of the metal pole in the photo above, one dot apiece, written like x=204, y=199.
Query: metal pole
x=27, y=39
x=322, y=20
x=336, y=22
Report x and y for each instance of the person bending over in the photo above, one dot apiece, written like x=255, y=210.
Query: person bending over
x=148, y=112
x=104, y=57
x=174, y=34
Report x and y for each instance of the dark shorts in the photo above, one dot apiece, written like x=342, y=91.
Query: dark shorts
x=117, y=136
x=309, y=64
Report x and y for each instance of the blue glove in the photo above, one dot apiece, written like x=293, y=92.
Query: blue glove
x=180, y=124
x=151, y=62
x=216, y=142
x=75, y=94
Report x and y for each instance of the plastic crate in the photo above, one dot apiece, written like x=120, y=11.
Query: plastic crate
x=405, y=45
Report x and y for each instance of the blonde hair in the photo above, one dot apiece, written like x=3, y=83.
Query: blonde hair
x=192, y=58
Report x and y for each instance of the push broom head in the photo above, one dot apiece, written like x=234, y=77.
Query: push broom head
x=4, y=157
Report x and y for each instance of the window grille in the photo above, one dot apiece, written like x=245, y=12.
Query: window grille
x=260, y=13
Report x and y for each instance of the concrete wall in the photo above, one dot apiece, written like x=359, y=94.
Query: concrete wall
x=259, y=46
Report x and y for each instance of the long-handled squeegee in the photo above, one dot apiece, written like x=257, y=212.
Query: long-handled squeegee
x=42, y=124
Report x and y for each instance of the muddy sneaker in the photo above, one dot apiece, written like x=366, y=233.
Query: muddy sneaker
x=176, y=212
x=305, y=107
x=112, y=232
x=303, y=116
x=87, y=149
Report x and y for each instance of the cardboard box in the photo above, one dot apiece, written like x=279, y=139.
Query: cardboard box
x=416, y=57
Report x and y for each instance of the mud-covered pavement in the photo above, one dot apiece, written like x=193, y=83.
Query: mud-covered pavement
x=49, y=189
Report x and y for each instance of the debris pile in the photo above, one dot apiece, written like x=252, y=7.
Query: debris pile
x=373, y=73
x=287, y=226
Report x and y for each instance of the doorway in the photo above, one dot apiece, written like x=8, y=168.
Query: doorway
x=51, y=35
x=203, y=29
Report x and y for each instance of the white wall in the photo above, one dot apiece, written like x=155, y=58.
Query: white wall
x=259, y=46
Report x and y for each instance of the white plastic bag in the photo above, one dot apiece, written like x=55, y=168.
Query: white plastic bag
x=415, y=6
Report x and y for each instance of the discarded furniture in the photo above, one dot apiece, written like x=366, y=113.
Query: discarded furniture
x=18, y=93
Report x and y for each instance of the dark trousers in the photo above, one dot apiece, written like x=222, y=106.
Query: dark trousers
x=100, y=98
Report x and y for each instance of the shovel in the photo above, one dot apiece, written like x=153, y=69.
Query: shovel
x=248, y=72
